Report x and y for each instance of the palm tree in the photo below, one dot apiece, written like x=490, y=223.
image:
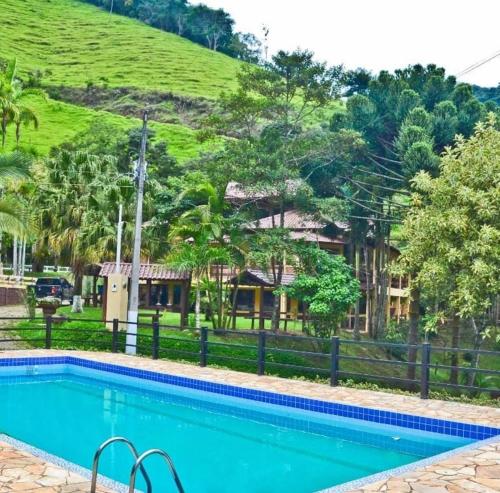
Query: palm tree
x=13, y=168
x=197, y=257
x=25, y=116
x=205, y=236
x=75, y=205
x=12, y=102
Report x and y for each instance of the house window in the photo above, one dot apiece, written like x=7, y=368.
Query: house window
x=268, y=301
x=245, y=300
x=177, y=294
x=159, y=294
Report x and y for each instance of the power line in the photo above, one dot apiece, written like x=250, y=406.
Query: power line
x=375, y=219
x=478, y=64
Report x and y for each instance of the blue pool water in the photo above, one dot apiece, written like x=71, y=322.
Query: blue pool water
x=218, y=443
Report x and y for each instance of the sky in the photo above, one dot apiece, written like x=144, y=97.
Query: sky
x=380, y=34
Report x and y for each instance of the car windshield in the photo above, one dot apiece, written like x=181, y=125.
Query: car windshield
x=49, y=281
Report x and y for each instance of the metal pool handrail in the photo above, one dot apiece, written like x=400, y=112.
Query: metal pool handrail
x=133, y=450
x=145, y=455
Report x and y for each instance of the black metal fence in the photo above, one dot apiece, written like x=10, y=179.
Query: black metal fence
x=415, y=367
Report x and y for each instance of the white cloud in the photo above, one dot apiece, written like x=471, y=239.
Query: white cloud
x=380, y=34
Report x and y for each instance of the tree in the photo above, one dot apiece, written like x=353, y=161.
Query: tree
x=486, y=94
x=357, y=81
x=405, y=118
x=246, y=47
x=453, y=232
x=168, y=15
x=214, y=26
x=272, y=113
x=75, y=205
x=206, y=236
x=106, y=139
x=12, y=102
x=328, y=289
x=14, y=167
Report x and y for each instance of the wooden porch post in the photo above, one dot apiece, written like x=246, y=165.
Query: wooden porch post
x=261, y=308
x=148, y=293
x=283, y=309
x=94, y=291
x=398, y=303
x=170, y=294
x=184, y=304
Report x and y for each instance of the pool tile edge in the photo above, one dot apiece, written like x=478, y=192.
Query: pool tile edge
x=443, y=426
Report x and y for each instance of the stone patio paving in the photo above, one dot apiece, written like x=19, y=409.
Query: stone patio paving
x=476, y=470
x=20, y=471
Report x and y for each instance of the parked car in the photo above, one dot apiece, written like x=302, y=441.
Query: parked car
x=54, y=287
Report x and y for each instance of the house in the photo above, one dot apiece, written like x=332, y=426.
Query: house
x=255, y=298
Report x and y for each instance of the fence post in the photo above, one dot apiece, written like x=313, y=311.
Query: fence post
x=114, y=340
x=203, y=346
x=261, y=353
x=48, y=332
x=334, y=366
x=156, y=336
x=425, y=370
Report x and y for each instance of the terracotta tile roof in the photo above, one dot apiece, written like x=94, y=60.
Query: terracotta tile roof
x=293, y=220
x=267, y=278
x=314, y=237
x=147, y=271
x=236, y=191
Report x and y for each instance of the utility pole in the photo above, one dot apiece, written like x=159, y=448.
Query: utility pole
x=133, y=304
x=265, y=32
x=119, y=240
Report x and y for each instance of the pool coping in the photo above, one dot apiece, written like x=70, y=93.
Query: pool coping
x=85, y=473
x=483, y=434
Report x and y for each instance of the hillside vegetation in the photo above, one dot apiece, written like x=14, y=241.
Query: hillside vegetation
x=80, y=43
x=60, y=122
x=108, y=67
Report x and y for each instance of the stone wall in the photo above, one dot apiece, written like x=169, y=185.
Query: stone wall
x=11, y=295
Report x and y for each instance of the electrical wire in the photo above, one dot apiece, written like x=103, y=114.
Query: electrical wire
x=478, y=64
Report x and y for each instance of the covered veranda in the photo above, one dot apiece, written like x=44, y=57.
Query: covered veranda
x=255, y=298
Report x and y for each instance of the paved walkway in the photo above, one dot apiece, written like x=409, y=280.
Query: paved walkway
x=10, y=311
x=472, y=471
x=475, y=470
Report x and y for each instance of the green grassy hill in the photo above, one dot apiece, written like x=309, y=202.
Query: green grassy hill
x=78, y=43
x=60, y=122
x=80, y=46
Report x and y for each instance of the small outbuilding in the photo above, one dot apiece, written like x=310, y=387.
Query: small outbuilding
x=158, y=286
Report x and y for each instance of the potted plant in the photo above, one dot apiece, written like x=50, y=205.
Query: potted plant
x=49, y=305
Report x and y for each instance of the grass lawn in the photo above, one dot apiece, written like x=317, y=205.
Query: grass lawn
x=79, y=43
x=60, y=122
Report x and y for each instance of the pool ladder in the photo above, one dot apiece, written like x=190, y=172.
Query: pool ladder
x=139, y=459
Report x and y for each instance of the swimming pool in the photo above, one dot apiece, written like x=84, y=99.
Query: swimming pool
x=221, y=438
